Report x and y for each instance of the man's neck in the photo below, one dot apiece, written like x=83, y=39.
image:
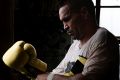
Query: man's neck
x=89, y=33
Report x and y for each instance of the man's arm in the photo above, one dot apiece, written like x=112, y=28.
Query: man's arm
x=60, y=77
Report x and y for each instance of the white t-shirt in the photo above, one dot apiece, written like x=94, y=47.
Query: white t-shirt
x=97, y=52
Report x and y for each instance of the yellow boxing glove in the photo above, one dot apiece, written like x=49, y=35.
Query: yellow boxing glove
x=15, y=57
x=33, y=61
x=20, y=54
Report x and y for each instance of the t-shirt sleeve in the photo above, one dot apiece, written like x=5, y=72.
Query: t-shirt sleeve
x=101, y=63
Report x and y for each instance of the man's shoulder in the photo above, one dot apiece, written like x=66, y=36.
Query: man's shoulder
x=102, y=38
x=103, y=35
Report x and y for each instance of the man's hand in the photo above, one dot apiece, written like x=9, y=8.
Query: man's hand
x=77, y=77
x=41, y=77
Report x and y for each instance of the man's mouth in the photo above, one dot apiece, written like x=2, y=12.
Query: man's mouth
x=69, y=32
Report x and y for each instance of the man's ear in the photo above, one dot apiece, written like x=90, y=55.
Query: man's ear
x=84, y=12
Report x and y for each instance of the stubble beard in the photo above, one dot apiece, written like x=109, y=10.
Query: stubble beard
x=78, y=36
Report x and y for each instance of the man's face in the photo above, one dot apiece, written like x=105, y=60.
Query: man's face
x=73, y=22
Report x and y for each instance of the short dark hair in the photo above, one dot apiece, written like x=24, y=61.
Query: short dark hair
x=75, y=5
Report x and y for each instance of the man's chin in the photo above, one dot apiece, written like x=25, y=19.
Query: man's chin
x=70, y=34
x=73, y=37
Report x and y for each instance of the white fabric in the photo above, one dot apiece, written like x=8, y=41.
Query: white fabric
x=94, y=50
x=72, y=55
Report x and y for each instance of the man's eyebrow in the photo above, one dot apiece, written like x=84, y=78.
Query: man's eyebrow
x=66, y=18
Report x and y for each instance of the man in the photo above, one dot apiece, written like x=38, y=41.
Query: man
x=96, y=44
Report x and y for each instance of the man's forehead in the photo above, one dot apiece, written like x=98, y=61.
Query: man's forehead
x=63, y=11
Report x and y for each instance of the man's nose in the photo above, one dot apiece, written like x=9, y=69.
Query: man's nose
x=66, y=27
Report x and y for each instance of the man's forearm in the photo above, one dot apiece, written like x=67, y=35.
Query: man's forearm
x=75, y=77
x=60, y=77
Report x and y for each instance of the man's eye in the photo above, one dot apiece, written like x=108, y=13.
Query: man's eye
x=66, y=19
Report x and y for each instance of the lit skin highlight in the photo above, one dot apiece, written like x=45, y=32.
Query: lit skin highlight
x=72, y=22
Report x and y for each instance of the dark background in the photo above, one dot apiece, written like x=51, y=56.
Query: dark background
x=35, y=22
